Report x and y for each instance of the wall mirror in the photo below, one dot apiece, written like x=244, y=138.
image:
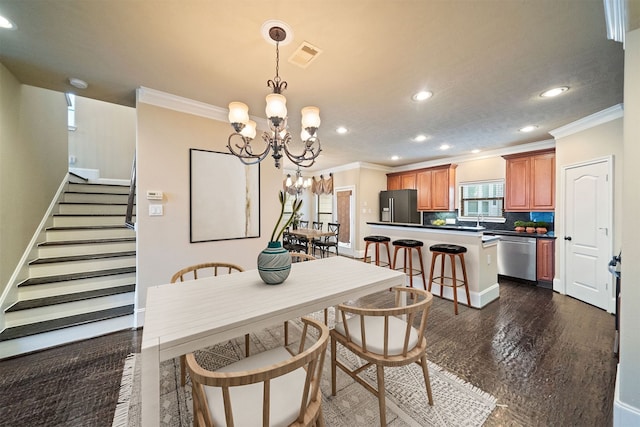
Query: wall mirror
x=224, y=197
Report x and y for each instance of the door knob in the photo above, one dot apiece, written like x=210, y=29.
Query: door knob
x=567, y=238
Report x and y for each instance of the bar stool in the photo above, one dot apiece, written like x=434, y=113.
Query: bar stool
x=407, y=246
x=378, y=240
x=453, y=252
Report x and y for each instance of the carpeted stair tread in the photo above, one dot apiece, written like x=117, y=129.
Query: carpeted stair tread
x=78, y=296
x=64, y=322
x=76, y=276
x=88, y=242
x=88, y=257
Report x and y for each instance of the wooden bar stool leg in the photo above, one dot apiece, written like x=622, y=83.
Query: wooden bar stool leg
x=388, y=253
x=410, y=267
x=366, y=250
x=466, y=282
x=433, y=264
x=395, y=257
x=441, y=273
x=452, y=259
x=377, y=253
x=422, y=268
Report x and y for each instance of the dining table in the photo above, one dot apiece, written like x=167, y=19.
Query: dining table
x=200, y=313
x=309, y=234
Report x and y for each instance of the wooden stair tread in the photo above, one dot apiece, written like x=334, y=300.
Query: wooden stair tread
x=64, y=322
x=88, y=214
x=87, y=257
x=85, y=227
x=78, y=296
x=88, y=242
x=76, y=276
x=95, y=203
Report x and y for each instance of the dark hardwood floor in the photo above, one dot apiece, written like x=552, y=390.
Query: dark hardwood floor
x=546, y=357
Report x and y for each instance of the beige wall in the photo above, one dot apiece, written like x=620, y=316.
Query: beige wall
x=163, y=142
x=629, y=368
x=33, y=163
x=105, y=138
x=594, y=143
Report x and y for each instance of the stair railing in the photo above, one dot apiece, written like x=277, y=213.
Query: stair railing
x=128, y=221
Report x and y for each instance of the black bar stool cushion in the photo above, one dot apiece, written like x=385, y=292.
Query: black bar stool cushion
x=377, y=239
x=448, y=249
x=408, y=243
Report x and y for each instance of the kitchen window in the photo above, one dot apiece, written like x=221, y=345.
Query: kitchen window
x=482, y=200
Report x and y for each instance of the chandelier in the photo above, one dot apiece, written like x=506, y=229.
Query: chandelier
x=278, y=139
x=295, y=188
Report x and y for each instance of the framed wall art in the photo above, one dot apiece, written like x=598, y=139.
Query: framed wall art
x=224, y=197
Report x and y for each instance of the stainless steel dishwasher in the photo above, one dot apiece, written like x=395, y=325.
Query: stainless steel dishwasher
x=517, y=257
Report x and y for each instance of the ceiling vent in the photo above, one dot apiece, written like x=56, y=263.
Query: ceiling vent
x=304, y=55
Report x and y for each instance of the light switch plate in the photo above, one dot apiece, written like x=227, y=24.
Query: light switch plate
x=156, y=210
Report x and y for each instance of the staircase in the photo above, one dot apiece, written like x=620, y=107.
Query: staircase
x=82, y=283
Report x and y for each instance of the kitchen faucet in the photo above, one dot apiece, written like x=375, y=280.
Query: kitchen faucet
x=480, y=216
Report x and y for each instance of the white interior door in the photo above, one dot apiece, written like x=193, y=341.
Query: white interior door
x=588, y=235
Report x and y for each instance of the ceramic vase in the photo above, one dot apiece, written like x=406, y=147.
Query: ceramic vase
x=274, y=264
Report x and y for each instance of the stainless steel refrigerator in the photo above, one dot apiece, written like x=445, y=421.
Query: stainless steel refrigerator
x=399, y=206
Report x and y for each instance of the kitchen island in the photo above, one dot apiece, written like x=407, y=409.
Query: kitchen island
x=480, y=258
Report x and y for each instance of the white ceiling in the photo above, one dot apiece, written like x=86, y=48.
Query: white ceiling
x=485, y=61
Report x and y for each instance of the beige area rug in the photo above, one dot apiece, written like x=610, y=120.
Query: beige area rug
x=456, y=402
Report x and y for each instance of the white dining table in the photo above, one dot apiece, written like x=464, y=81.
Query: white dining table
x=182, y=318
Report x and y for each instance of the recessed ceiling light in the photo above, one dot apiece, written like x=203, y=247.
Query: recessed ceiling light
x=554, y=92
x=529, y=128
x=80, y=84
x=6, y=24
x=445, y=146
x=420, y=138
x=395, y=158
x=476, y=151
x=342, y=130
x=422, y=95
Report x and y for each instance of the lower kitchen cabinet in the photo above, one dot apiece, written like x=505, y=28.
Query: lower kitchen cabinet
x=545, y=260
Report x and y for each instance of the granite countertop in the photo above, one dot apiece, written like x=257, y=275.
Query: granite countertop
x=435, y=227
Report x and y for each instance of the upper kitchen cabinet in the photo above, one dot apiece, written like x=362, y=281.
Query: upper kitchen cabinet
x=401, y=181
x=436, y=188
x=530, y=181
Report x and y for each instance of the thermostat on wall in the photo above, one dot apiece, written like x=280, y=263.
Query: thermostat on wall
x=154, y=195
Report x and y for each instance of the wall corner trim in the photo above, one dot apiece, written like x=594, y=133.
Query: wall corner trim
x=604, y=116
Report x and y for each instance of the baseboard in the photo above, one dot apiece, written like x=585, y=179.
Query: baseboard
x=623, y=415
x=478, y=299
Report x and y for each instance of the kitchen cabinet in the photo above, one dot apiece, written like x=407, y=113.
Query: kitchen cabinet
x=530, y=181
x=401, y=181
x=436, y=188
x=545, y=260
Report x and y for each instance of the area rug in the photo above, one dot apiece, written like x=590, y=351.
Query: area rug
x=456, y=402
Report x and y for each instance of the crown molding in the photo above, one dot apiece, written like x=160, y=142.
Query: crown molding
x=604, y=116
x=161, y=99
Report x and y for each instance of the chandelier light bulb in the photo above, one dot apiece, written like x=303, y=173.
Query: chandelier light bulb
x=288, y=183
x=276, y=106
x=310, y=117
x=249, y=131
x=304, y=135
x=238, y=113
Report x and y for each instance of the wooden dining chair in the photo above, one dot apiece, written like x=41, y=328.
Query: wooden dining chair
x=275, y=387
x=384, y=337
x=207, y=269
x=328, y=242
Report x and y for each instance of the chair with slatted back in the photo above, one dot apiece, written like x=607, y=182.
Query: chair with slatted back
x=328, y=242
x=275, y=387
x=384, y=337
x=207, y=269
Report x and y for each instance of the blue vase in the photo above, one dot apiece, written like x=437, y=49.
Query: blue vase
x=274, y=264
